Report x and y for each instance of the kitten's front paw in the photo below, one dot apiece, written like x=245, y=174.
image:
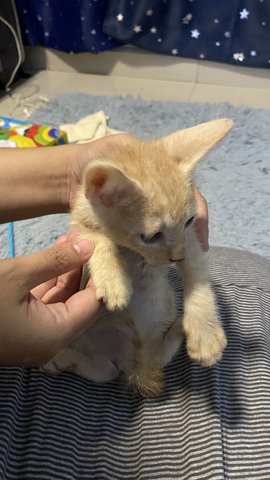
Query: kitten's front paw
x=114, y=292
x=206, y=347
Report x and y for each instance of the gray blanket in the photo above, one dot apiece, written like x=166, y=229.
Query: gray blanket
x=235, y=177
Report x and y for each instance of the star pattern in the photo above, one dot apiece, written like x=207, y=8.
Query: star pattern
x=239, y=57
x=137, y=28
x=244, y=14
x=195, y=33
x=187, y=18
x=154, y=26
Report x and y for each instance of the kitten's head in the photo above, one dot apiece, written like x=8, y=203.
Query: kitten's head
x=142, y=193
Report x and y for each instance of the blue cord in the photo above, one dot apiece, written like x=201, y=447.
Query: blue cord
x=11, y=245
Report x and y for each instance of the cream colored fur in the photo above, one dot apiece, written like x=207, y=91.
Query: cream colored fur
x=135, y=203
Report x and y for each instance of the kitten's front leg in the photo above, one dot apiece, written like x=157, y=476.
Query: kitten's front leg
x=108, y=272
x=204, y=333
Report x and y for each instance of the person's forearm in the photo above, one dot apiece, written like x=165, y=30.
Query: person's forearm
x=33, y=182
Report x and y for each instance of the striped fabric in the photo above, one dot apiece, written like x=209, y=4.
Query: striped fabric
x=210, y=424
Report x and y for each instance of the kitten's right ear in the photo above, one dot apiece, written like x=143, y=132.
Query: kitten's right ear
x=109, y=186
x=188, y=146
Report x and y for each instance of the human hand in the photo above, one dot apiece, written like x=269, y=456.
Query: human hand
x=39, y=319
x=201, y=222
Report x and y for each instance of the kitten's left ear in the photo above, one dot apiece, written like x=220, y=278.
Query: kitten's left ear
x=188, y=146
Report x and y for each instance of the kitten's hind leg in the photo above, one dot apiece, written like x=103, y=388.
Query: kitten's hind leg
x=97, y=368
x=172, y=341
x=204, y=333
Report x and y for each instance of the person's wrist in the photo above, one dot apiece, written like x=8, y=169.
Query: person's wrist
x=66, y=164
x=52, y=178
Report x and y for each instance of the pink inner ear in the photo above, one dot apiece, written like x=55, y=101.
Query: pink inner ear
x=98, y=178
x=94, y=181
x=100, y=183
x=107, y=196
x=109, y=186
x=106, y=186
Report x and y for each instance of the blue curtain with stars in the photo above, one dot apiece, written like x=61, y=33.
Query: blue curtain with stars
x=69, y=25
x=233, y=31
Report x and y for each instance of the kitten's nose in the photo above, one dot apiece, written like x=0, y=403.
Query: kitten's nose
x=176, y=254
x=174, y=260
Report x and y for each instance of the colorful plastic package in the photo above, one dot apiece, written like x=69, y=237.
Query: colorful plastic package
x=16, y=133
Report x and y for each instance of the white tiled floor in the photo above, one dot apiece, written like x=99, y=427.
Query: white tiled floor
x=254, y=97
x=51, y=83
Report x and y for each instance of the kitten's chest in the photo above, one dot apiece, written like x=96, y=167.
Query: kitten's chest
x=153, y=303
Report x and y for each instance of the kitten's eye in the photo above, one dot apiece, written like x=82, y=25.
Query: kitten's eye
x=155, y=238
x=189, y=222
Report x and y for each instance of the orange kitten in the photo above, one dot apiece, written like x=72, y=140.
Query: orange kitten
x=137, y=204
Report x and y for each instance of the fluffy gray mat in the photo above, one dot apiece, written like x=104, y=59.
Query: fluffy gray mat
x=235, y=177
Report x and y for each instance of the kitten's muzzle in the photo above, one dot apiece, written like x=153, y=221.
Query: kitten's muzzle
x=176, y=260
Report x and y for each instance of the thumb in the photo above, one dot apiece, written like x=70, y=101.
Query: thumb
x=80, y=312
x=36, y=268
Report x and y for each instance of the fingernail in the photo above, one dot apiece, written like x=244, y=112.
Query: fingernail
x=84, y=247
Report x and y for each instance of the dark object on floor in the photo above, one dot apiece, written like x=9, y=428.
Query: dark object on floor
x=11, y=49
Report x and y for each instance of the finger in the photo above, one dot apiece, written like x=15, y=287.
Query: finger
x=68, y=283
x=41, y=290
x=36, y=268
x=66, y=286
x=89, y=283
x=78, y=313
x=201, y=222
x=73, y=235
x=202, y=232
x=201, y=203
x=82, y=307
x=60, y=240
